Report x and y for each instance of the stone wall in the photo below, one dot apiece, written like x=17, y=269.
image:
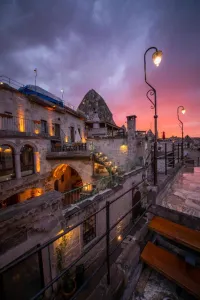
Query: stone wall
x=81, y=211
x=114, y=147
x=43, y=168
x=24, y=225
x=42, y=218
x=23, y=111
x=20, y=106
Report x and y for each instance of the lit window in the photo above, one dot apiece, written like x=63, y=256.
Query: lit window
x=7, y=170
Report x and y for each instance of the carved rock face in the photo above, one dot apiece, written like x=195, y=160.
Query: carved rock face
x=92, y=103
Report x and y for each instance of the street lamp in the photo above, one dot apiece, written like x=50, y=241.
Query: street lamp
x=156, y=57
x=35, y=71
x=181, y=126
x=62, y=91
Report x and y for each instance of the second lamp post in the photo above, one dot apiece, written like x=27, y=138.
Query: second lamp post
x=181, y=126
x=157, y=57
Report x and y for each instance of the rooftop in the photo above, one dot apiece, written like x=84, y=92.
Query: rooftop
x=184, y=194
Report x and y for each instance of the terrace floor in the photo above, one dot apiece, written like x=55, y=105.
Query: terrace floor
x=154, y=286
x=184, y=195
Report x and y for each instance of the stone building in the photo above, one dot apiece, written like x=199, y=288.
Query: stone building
x=46, y=150
x=99, y=119
x=34, y=132
x=120, y=148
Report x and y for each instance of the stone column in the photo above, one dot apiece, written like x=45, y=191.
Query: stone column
x=17, y=165
x=36, y=162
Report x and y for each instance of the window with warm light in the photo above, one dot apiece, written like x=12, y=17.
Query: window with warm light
x=7, y=169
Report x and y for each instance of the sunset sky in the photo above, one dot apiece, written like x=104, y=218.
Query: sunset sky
x=77, y=45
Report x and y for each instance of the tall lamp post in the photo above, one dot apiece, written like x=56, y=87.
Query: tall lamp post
x=62, y=91
x=157, y=57
x=181, y=126
x=35, y=71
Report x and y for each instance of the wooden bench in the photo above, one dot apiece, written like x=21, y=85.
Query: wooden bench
x=178, y=233
x=172, y=267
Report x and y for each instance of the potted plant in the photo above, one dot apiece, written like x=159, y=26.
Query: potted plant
x=68, y=282
x=68, y=285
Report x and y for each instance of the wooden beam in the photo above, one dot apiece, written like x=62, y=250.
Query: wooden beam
x=178, y=233
x=172, y=267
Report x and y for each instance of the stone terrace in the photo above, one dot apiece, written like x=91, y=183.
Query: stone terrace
x=184, y=194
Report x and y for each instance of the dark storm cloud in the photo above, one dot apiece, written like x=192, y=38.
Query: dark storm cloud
x=64, y=36
x=177, y=31
x=78, y=45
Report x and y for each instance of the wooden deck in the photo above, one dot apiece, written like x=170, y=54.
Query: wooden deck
x=178, y=233
x=172, y=267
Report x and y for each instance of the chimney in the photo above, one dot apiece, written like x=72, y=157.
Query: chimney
x=131, y=126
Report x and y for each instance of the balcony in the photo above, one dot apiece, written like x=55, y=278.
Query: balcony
x=67, y=150
x=12, y=126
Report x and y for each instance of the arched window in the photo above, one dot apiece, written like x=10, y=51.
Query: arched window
x=7, y=167
x=27, y=160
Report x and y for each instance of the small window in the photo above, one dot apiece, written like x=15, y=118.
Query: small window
x=62, y=178
x=44, y=128
x=89, y=230
x=72, y=134
x=79, y=131
x=56, y=130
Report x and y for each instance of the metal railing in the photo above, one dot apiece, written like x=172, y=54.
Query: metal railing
x=15, y=124
x=16, y=85
x=69, y=147
x=90, y=189
x=111, y=237
x=170, y=158
x=13, y=83
x=167, y=159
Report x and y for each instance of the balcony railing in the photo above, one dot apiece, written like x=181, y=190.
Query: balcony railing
x=107, y=244
x=90, y=189
x=69, y=147
x=12, y=124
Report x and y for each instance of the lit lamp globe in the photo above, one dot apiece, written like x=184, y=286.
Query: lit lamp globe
x=157, y=57
x=183, y=111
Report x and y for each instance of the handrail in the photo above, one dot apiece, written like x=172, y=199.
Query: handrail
x=87, y=185
x=52, y=240
x=10, y=81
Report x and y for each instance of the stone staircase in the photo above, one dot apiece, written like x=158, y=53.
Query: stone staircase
x=102, y=159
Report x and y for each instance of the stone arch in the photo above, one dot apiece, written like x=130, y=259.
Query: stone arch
x=136, y=197
x=67, y=180
x=11, y=144
x=27, y=159
x=35, y=148
x=36, y=154
x=85, y=170
x=7, y=161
